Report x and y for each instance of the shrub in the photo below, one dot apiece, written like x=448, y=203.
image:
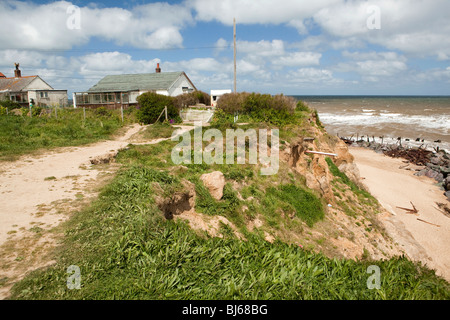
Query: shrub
x=152, y=104
x=301, y=106
x=222, y=120
x=192, y=98
x=102, y=111
x=202, y=97
x=9, y=104
x=232, y=102
x=36, y=111
x=277, y=109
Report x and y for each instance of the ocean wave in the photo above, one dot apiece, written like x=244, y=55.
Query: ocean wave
x=437, y=122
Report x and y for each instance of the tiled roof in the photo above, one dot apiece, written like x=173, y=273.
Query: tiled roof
x=132, y=82
x=15, y=84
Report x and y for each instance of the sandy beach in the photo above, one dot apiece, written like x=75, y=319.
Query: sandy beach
x=426, y=240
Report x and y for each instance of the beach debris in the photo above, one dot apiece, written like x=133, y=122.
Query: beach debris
x=417, y=156
x=347, y=141
x=444, y=208
x=322, y=153
x=404, y=166
x=411, y=211
x=436, y=225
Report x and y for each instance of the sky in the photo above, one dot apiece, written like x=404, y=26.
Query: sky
x=294, y=47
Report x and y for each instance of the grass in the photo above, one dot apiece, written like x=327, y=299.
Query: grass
x=158, y=130
x=126, y=249
x=22, y=135
x=306, y=205
x=363, y=195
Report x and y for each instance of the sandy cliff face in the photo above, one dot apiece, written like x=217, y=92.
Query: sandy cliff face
x=351, y=227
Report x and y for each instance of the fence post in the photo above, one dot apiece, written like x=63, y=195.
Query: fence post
x=121, y=112
x=165, y=108
x=56, y=112
x=84, y=114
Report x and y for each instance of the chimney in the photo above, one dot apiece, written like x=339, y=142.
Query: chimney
x=158, y=69
x=17, y=73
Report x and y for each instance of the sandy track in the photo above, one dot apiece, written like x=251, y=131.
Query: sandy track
x=37, y=181
x=395, y=187
x=35, y=188
x=34, y=182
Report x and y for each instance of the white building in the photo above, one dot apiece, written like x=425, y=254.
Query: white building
x=215, y=95
x=122, y=90
x=30, y=89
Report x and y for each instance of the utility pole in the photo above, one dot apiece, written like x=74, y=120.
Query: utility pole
x=234, y=41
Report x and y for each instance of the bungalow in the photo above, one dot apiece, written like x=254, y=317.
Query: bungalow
x=215, y=95
x=115, y=91
x=30, y=89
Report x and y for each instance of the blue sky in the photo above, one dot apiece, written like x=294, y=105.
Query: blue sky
x=322, y=47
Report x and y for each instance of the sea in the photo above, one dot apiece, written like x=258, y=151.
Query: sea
x=411, y=120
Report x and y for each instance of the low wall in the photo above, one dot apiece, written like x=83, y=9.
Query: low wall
x=191, y=115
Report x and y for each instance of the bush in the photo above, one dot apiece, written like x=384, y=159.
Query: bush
x=152, y=104
x=277, y=109
x=9, y=104
x=301, y=106
x=232, y=102
x=102, y=111
x=192, y=98
x=36, y=111
x=202, y=97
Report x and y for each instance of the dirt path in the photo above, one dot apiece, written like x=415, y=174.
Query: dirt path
x=37, y=193
x=395, y=187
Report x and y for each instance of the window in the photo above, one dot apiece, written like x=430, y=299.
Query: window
x=44, y=94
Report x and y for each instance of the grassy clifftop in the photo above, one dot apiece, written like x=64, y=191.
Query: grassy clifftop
x=308, y=232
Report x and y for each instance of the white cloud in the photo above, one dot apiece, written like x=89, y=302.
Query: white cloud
x=414, y=27
x=259, y=12
x=311, y=75
x=373, y=65
x=295, y=59
x=261, y=48
x=44, y=26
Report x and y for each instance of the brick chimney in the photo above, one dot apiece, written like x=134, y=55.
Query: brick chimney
x=158, y=69
x=17, y=73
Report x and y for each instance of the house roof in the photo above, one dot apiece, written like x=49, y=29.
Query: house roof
x=15, y=84
x=141, y=81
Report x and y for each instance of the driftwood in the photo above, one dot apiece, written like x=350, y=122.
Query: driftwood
x=412, y=211
x=322, y=153
x=347, y=141
x=417, y=156
x=436, y=225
